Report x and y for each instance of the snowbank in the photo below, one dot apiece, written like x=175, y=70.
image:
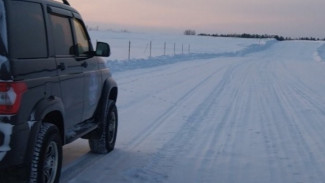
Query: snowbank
x=140, y=44
x=319, y=55
x=123, y=65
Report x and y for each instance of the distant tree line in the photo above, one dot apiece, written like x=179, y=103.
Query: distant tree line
x=262, y=36
x=95, y=28
x=189, y=32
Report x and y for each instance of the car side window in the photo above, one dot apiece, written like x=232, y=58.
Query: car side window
x=82, y=38
x=27, y=28
x=62, y=35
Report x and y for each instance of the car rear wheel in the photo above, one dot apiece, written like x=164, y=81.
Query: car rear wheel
x=47, y=155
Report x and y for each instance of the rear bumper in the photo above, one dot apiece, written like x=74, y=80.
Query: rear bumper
x=5, y=139
x=13, y=142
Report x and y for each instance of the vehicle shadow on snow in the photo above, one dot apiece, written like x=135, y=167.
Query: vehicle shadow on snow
x=78, y=161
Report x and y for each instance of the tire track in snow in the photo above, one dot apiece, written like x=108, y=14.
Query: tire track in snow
x=159, y=121
x=238, y=121
x=181, y=143
x=260, y=122
x=311, y=106
x=144, y=134
x=290, y=97
x=154, y=75
x=238, y=133
x=69, y=172
x=222, y=133
x=295, y=138
x=274, y=120
x=289, y=152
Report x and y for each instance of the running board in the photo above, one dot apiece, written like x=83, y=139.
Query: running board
x=80, y=130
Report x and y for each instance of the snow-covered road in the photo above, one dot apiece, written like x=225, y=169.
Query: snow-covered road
x=253, y=118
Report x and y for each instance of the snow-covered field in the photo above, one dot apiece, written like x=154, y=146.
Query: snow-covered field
x=230, y=111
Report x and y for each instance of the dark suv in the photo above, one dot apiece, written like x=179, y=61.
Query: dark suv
x=54, y=88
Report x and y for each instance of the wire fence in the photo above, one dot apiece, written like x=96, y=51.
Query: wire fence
x=165, y=49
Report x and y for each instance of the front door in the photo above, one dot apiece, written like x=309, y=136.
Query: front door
x=92, y=76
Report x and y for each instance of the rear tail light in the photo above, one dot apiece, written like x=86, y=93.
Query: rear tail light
x=10, y=97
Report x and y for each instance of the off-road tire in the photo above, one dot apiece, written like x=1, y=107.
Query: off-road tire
x=47, y=155
x=107, y=130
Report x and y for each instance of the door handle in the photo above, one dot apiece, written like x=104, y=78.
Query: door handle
x=85, y=64
x=61, y=66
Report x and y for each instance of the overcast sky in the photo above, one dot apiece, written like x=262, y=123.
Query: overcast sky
x=284, y=17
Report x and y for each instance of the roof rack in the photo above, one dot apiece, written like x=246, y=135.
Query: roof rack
x=66, y=2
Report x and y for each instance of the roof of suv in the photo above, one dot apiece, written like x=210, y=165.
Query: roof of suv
x=58, y=4
x=53, y=3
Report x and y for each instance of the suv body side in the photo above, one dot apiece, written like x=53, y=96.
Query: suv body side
x=63, y=87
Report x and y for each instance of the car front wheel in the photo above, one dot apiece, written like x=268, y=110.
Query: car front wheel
x=107, y=130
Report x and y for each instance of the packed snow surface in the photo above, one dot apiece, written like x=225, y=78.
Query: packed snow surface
x=230, y=111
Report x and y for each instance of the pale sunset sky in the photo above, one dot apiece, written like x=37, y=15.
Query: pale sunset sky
x=293, y=18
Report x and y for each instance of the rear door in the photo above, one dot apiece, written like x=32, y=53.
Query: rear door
x=70, y=69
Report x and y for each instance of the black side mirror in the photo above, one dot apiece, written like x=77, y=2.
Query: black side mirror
x=103, y=49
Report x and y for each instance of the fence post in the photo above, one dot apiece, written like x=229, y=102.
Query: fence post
x=150, y=48
x=129, y=57
x=174, y=48
x=182, y=49
x=165, y=49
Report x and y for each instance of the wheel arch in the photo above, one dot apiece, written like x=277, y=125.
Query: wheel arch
x=111, y=89
x=49, y=110
x=109, y=94
x=113, y=94
x=56, y=118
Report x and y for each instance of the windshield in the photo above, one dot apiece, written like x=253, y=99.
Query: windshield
x=3, y=30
